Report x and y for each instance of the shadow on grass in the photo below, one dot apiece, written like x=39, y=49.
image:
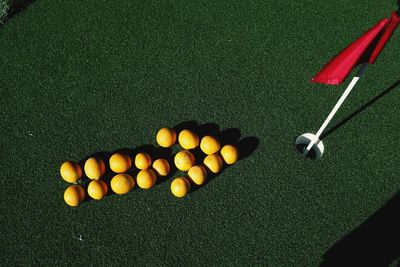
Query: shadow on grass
x=16, y=7
x=361, y=109
x=246, y=147
x=106, y=177
x=374, y=243
x=153, y=151
x=312, y=154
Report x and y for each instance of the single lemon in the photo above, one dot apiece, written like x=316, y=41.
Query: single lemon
x=210, y=145
x=120, y=163
x=184, y=160
x=94, y=168
x=122, y=183
x=97, y=189
x=70, y=171
x=213, y=163
x=166, y=137
x=197, y=174
x=146, y=179
x=74, y=195
x=142, y=161
x=180, y=187
x=230, y=154
x=161, y=166
x=188, y=139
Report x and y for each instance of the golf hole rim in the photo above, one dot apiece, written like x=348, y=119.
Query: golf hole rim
x=316, y=151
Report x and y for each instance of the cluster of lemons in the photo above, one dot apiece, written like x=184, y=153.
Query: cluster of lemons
x=120, y=163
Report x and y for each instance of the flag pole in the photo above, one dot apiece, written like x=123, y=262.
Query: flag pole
x=346, y=93
x=365, y=50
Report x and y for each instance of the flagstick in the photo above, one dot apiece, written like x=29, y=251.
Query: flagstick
x=338, y=104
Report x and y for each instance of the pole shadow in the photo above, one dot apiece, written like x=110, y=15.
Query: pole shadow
x=361, y=109
x=376, y=242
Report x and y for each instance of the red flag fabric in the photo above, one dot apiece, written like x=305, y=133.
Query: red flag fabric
x=389, y=29
x=364, y=49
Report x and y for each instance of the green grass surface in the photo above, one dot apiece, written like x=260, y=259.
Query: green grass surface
x=79, y=78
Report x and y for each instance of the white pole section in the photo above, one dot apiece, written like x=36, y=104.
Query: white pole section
x=339, y=103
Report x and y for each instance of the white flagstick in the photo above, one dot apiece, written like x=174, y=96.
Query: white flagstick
x=338, y=104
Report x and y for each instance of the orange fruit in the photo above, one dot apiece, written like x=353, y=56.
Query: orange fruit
x=210, y=144
x=70, y=171
x=184, y=160
x=197, y=174
x=180, y=187
x=166, y=137
x=120, y=163
x=188, y=139
x=213, y=163
x=161, y=166
x=97, y=189
x=142, y=161
x=230, y=154
x=74, y=195
x=146, y=179
x=122, y=183
x=94, y=168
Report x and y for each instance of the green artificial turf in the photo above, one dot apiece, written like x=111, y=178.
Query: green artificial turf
x=78, y=78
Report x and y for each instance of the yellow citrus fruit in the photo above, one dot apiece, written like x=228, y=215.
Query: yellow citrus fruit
x=94, y=168
x=166, y=137
x=213, y=163
x=197, y=174
x=146, y=179
x=142, y=161
x=161, y=166
x=188, y=139
x=210, y=145
x=97, y=189
x=184, y=160
x=74, y=195
x=230, y=154
x=122, y=183
x=120, y=163
x=70, y=171
x=180, y=187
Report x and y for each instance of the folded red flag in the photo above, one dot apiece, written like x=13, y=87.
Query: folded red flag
x=365, y=49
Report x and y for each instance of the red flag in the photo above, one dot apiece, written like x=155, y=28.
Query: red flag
x=365, y=49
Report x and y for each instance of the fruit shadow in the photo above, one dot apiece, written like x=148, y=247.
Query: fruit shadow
x=246, y=146
x=108, y=174
x=153, y=151
x=16, y=7
x=227, y=136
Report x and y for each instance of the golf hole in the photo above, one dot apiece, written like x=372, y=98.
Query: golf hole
x=316, y=150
